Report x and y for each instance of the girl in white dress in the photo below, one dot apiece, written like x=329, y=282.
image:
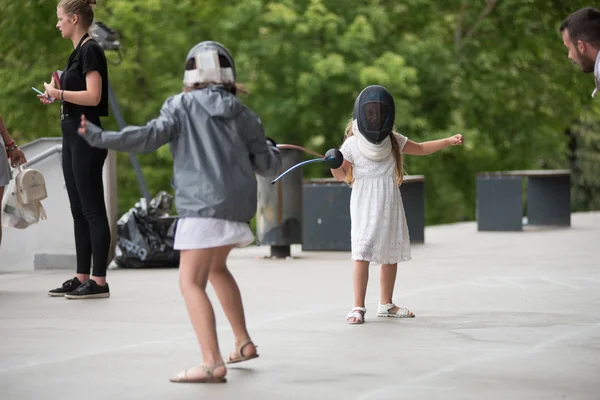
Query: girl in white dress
x=371, y=160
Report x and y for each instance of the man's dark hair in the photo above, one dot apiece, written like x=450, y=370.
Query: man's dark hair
x=583, y=25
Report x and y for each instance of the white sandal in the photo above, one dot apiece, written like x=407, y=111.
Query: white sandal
x=358, y=313
x=383, y=310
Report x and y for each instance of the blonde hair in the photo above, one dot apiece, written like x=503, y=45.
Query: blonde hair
x=83, y=8
x=395, y=151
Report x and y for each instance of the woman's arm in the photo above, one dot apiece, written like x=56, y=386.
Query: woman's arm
x=422, y=149
x=89, y=97
x=4, y=132
x=12, y=150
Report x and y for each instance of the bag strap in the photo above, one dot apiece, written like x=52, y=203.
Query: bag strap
x=41, y=211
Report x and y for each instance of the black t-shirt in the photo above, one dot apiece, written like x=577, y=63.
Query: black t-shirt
x=87, y=57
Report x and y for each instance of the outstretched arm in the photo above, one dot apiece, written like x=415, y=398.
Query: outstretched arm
x=132, y=139
x=422, y=149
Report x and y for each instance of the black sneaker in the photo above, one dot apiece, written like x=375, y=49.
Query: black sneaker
x=66, y=287
x=89, y=290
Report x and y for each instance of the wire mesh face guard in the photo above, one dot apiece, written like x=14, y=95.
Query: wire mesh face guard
x=375, y=112
x=212, y=62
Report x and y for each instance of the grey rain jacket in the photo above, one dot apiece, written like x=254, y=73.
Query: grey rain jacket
x=217, y=144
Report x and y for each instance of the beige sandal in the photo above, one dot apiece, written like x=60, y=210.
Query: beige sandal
x=209, y=376
x=240, y=352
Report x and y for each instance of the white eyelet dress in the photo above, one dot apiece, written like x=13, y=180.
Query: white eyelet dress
x=379, y=233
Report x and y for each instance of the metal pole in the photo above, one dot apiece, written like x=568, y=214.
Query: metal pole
x=110, y=198
x=108, y=40
x=134, y=161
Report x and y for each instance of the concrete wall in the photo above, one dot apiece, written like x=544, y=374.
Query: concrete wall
x=50, y=244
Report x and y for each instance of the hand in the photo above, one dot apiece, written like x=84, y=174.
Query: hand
x=17, y=157
x=83, y=125
x=334, y=158
x=456, y=140
x=45, y=99
x=271, y=142
x=51, y=89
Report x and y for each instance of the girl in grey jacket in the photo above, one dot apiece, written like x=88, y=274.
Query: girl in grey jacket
x=218, y=144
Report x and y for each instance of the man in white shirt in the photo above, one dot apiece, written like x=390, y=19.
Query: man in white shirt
x=581, y=35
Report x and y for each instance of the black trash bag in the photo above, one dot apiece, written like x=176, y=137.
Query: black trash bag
x=145, y=235
x=160, y=205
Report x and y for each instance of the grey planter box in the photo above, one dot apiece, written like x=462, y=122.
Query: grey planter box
x=326, y=213
x=500, y=199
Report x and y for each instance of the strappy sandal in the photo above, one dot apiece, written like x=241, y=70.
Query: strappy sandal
x=383, y=310
x=240, y=352
x=208, y=377
x=358, y=313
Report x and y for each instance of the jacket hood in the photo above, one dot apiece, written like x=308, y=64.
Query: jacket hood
x=217, y=101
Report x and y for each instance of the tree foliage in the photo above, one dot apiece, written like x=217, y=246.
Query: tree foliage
x=494, y=70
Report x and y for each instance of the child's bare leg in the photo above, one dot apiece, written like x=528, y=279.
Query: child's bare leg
x=230, y=298
x=194, y=267
x=360, y=277
x=387, y=280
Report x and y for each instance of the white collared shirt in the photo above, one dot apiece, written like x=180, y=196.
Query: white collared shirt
x=597, y=75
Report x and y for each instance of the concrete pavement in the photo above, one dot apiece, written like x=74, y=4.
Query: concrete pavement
x=499, y=315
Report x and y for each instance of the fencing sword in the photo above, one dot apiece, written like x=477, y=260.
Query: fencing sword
x=294, y=147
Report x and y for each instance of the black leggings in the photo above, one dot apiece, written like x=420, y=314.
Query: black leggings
x=82, y=168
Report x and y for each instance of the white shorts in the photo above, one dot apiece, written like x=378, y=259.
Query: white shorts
x=204, y=233
x=4, y=167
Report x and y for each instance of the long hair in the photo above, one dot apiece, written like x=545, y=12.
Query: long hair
x=399, y=172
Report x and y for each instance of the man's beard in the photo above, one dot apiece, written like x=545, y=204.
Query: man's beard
x=586, y=65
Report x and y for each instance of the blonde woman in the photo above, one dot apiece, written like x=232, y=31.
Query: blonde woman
x=83, y=89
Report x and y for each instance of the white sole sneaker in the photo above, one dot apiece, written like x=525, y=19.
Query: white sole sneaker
x=88, y=296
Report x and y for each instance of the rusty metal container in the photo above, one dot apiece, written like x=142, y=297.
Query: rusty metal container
x=279, y=211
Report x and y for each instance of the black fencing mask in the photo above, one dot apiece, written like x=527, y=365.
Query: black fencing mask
x=374, y=112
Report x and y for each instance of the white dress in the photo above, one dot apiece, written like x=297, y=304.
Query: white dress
x=378, y=225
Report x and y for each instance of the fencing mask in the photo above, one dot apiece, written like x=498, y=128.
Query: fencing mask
x=374, y=112
x=209, y=61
